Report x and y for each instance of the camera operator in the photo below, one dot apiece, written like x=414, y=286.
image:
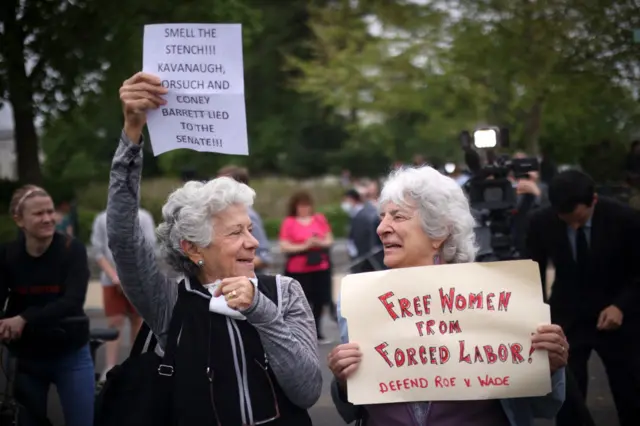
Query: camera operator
x=502, y=219
x=531, y=184
x=593, y=244
x=531, y=194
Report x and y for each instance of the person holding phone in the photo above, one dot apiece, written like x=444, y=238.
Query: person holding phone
x=306, y=237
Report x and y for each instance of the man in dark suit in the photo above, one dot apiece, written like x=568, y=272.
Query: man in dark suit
x=593, y=244
x=364, y=243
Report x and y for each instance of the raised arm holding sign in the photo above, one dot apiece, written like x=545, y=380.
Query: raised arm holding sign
x=254, y=333
x=459, y=343
x=139, y=94
x=201, y=68
x=191, y=91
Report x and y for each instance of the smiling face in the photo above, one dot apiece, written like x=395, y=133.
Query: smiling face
x=404, y=240
x=233, y=250
x=36, y=217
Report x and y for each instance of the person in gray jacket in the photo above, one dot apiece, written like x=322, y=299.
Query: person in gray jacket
x=247, y=349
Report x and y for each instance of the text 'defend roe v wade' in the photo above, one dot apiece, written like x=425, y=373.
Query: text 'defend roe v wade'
x=446, y=332
x=201, y=66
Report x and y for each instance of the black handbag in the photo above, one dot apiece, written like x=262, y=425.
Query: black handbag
x=139, y=391
x=314, y=258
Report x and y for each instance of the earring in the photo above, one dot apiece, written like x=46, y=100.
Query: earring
x=436, y=259
x=200, y=263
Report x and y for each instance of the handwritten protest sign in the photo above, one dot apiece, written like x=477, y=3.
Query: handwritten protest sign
x=446, y=332
x=201, y=65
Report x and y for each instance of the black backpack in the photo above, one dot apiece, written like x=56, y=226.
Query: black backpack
x=138, y=392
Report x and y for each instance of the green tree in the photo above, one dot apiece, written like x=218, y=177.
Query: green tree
x=376, y=62
x=54, y=54
x=517, y=56
x=48, y=50
x=288, y=131
x=527, y=65
x=79, y=141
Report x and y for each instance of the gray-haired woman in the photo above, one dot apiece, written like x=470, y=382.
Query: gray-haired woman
x=256, y=346
x=425, y=220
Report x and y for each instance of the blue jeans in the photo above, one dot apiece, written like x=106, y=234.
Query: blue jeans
x=74, y=377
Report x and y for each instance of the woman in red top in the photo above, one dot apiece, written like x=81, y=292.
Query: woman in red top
x=305, y=237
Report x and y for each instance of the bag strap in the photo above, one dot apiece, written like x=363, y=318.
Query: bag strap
x=268, y=285
x=166, y=367
x=144, y=335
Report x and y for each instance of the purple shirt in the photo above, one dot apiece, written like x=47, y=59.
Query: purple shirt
x=439, y=413
x=486, y=412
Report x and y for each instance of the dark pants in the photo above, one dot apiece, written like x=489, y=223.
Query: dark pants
x=74, y=377
x=618, y=351
x=317, y=289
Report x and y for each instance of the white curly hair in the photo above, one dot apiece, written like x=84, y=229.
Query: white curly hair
x=187, y=216
x=443, y=208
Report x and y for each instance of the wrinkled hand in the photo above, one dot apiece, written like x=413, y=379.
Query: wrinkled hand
x=552, y=339
x=344, y=360
x=238, y=291
x=139, y=94
x=11, y=328
x=610, y=318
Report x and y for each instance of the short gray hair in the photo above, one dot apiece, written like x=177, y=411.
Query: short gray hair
x=187, y=216
x=443, y=208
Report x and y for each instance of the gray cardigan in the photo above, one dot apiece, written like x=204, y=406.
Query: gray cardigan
x=287, y=331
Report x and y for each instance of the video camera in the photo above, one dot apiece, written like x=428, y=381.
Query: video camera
x=491, y=189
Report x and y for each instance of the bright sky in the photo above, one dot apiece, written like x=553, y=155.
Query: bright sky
x=6, y=117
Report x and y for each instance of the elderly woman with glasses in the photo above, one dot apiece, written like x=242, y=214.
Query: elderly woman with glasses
x=247, y=348
x=425, y=220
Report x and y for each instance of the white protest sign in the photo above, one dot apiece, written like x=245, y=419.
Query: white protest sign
x=201, y=65
x=446, y=332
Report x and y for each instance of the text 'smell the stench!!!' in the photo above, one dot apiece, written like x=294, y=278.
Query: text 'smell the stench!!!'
x=201, y=65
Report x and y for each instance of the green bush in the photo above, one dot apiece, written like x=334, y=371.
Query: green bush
x=154, y=207
x=153, y=195
x=58, y=189
x=85, y=222
x=8, y=229
x=271, y=202
x=7, y=187
x=272, y=227
x=337, y=218
x=338, y=221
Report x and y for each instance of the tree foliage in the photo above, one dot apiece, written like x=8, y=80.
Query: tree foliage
x=334, y=84
x=57, y=57
x=287, y=130
x=49, y=52
x=558, y=73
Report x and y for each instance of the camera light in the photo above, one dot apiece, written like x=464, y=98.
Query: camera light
x=485, y=138
x=449, y=168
